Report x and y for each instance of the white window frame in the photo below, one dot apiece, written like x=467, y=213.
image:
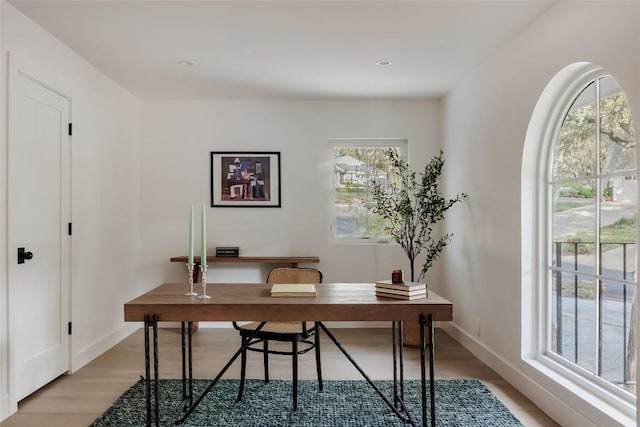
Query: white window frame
x=544, y=127
x=403, y=146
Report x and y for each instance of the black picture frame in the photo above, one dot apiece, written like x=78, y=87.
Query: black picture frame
x=245, y=179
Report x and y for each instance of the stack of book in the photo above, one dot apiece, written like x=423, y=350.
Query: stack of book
x=404, y=290
x=227, y=251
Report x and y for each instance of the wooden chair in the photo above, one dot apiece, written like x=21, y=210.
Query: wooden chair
x=294, y=332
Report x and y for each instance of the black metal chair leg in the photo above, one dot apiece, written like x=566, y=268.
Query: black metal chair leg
x=265, y=355
x=243, y=370
x=318, y=361
x=294, y=351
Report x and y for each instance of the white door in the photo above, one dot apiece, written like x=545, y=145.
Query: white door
x=38, y=217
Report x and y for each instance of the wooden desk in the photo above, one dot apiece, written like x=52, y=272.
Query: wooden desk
x=246, y=301
x=251, y=301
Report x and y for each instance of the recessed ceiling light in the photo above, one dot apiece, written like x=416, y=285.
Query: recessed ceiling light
x=383, y=63
x=186, y=63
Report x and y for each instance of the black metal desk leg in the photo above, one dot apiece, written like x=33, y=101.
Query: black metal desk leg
x=401, y=351
x=398, y=365
x=147, y=370
x=220, y=374
x=394, y=344
x=432, y=385
x=397, y=411
x=190, y=347
x=318, y=360
x=156, y=398
x=184, y=364
x=151, y=321
x=187, y=361
x=423, y=374
x=432, y=374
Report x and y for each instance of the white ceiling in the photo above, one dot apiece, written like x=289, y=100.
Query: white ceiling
x=284, y=49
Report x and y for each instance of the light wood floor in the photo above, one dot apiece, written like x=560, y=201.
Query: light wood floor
x=76, y=400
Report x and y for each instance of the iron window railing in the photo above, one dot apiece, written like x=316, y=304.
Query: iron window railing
x=584, y=299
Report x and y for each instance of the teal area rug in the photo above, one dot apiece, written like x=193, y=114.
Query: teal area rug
x=342, y=403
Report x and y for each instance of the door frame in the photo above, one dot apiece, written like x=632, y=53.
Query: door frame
x=19, y=67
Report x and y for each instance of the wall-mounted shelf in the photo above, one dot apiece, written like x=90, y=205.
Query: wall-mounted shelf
x=292, y=260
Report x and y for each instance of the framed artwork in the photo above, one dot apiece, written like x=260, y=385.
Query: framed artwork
x=245, y=179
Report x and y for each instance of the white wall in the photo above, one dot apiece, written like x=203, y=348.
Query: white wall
x=105, y=191
x=485, y=121
x=4, y=314
x=179, y=135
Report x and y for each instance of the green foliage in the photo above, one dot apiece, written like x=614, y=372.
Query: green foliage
x=370, y=226
x=577, y=189
x=575, y=153
x=611, y=237
x=349, y=194
x=586, y=290
x=413, y=208
x=373, y=158
x=626, y=222
x=564, y=206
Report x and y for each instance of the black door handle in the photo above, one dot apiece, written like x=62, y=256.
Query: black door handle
x=24, y=255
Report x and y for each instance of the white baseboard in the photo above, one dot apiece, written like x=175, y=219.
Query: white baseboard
x=5, y=407
x=552, y=401
x=553, y=406
x=99, y=346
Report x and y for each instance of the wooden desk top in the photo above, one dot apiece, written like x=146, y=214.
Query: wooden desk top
x=250, y=301
x=253, y=259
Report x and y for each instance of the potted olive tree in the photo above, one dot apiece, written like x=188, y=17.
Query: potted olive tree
x=412, y=206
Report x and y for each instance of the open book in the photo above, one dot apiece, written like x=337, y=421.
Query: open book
x=293, y=290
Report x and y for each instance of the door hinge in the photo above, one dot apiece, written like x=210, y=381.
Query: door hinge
x=69, y=328
x=69, y=229
x=70, y=129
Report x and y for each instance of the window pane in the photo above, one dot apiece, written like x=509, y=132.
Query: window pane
x=349, y=214
x=573, y=318
x=616, y=302
x=355, y=166
x=617, y=144
x=573, y=227
x=594, y=199
x=618, y=230
x=576, y=145
x=618, y=234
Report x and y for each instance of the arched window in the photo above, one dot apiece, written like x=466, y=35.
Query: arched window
x=591, y=237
